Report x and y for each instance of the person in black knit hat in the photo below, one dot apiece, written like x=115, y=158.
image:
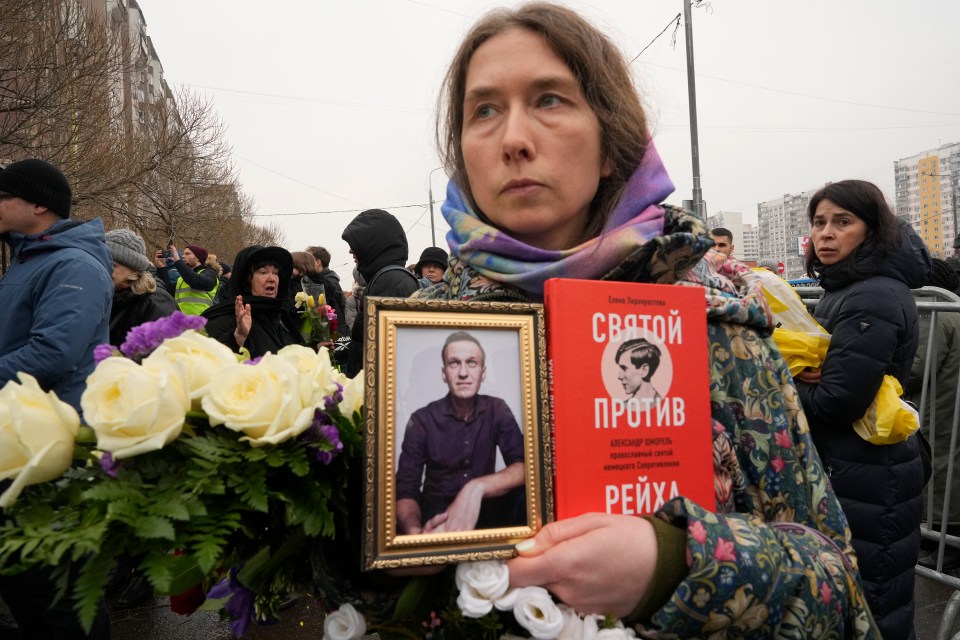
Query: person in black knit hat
x=38, y=182
x=54, y=310
x=432, y=265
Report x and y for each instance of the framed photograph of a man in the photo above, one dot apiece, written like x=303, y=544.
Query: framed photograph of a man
x=458, y=462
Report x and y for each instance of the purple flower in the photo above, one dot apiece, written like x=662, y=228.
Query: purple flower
x=240, y=604
x=253, y=361
x=332, y=435
x=103, y=351
x=143, y=339
x=332, y=401
x=324, y=432
x=109, y=465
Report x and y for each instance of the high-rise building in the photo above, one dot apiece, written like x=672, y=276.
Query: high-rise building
x=928, y=195
x=751, y=243
x=733, y=221
x=784, y=231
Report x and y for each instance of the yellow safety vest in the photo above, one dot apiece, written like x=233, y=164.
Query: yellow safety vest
x=193, y=302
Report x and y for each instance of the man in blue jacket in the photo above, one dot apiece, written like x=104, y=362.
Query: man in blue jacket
x=54, y=309
x=55, y=298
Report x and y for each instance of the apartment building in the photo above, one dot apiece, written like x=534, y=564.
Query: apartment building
x=928, y=195
x=784, y=230
x=744, y=234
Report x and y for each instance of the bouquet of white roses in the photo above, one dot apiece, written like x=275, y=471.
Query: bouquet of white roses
x=239, y=476
x=199, y=466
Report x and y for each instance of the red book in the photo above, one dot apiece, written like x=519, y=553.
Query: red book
x=630, y=396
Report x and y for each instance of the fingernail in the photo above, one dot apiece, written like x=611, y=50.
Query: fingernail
x=526, y=545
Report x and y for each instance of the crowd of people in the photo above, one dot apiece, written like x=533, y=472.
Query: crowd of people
x=554, y=173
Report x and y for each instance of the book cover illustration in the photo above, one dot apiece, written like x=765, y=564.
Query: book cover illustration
x=630, y=400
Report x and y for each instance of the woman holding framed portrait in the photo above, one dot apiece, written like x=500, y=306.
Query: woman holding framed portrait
x=554, y=174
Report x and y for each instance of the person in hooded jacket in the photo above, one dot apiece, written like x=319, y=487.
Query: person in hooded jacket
x=136, y=297
x=254, y=312
x=379, y=246
x=54, y=310
x=867, y=262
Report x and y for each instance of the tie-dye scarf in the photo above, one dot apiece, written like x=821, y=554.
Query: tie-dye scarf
x=637, y=218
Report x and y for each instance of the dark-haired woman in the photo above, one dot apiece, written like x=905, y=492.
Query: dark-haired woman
x=254, y=312
x=867, y=262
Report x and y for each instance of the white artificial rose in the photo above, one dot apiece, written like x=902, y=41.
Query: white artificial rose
x=134, y=408
x=202, y=359
x=37, y=432
x=262, y=401
x=577, y=628
x=345, y=623
x=536, y=612
x=617, y=633
x=480, y=583
x=353, y=394
x=317, y=375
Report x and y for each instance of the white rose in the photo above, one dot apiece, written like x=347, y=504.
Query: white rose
x=577, y=628
x=353, y=394
x=345, y=623
x=202, y=359
x=536, y=612
x=317, y=375
x=262, y=401
x=480, y=583
x=37, y=432
x=299, y=299
x=135, y=408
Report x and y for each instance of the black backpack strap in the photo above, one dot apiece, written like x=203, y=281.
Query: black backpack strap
x=389, y=267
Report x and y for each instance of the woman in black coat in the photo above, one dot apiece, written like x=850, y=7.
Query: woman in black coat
x=136, y=296
x=254, y=311
x=867, y=262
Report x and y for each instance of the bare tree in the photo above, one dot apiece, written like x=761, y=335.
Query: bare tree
x=66, y=73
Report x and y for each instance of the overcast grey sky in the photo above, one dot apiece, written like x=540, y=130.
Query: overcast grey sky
x=330, y=106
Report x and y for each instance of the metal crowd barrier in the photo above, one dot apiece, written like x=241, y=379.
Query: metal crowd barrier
x=938, y=302
x=934, y=302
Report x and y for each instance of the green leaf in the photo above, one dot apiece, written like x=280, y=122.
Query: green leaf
x=154, y=527
x=88, y=588
x=170, y=509
x=409, y=598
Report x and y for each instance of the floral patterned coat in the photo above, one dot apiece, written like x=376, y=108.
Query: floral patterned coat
x=772, y=558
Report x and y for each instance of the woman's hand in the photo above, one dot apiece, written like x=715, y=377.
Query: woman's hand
x=244, y=321
x=596, y=563
x=808, y=375
x=330, y=346
x=159, y=260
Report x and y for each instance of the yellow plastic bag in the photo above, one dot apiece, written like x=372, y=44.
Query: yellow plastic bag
x=888, y=419
x=801, y=349
x=800, y=339
x=804, y=343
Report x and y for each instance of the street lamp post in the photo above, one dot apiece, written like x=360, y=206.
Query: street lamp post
x=433, y=234
x=698, y=207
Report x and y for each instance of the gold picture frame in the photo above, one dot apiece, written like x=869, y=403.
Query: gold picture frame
x=405, y=372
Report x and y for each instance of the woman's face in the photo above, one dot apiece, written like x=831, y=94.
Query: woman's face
x=836, y=232
x=121, y=276
x=530, y=140
x=265, y=281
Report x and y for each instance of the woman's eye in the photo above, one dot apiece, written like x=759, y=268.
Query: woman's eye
x=549, y=100
x=484, y=111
